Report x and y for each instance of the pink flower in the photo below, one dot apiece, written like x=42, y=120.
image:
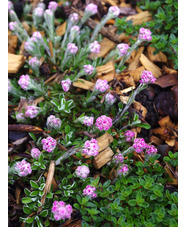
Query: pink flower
x=53, y=122
x=90, y=191
x=34, y=63
x=103, y=123
x=123, y=170
x=61, y=211
x=38, y=11
x=94, y=47
x=10, y=5
x=23, y=168
x=37, y=35
x=35, y=153
x=72, y=48
x=13, y=25
x=114, y=10
x=48, y=12
x=88, y=121
x=129, y=135
x=145, y=34
x=24, y=82
x=147, y=77
x=66, y=84
x=139, y=145
x=31, y=111
x=74, y=17
x=91, y=147
x=118, y=158
x=20, y=117
x=91, y=8
x=110, y=99
x=75, y=28
x=53, y=6
x=150, y=150
x=101, y=85
x=82, y=171
x=49, y=144
x=88, y=69
x=123, y=48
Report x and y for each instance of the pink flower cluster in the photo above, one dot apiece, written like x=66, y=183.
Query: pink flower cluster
x=20, y=117
x=72, y=48
x=101, y=85
x=53, y=6
x=114, y=10
x=129, y=135
x=94, y=47
x=110, y=99
x=88, y=69
x=82, y=171
x=91, y=8
x=24, y=82
x=118, y=158
x=53, y=122
x=123, y=48
x=103, y=123
x=139, y=145
x=150, y=150
x=88, y=121
x=75, y=28
x=35, y=153
x=49, y=144
x=23, y=168
x=48, y=13
x=37, y=35
x=90, y=191
x=145, y=34
x=147, y=77
x=66, y=84
x=31, y=111
x=61, y=211
x=123, y=170
x=13, y=25
x=74, y=17
x=34, y=63
x=38, y=11
x=10, y=5
x=91, y=147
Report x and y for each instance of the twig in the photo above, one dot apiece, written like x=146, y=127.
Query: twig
x=48, y=184
x=24, y=128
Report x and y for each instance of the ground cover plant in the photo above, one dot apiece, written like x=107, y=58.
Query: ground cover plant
x=82, y=160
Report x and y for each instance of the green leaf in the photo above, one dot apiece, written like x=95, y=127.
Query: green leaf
x=30, y=220
x=26, y=200
x=41, y=157
x=143, y=125
x=27, y=210
x=34, y=193
x=31, y=134
x=78, y=199
x=27, y=192
x=106, y=184
x=47, y=223
x=49, y=195
x=34, y=184
x=76, y=205
x=132, y=202
x=43, y=213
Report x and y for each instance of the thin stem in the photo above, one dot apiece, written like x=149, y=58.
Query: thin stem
x=128, y=151
x=126, y=57
x=99, y=26
x=130, y=101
